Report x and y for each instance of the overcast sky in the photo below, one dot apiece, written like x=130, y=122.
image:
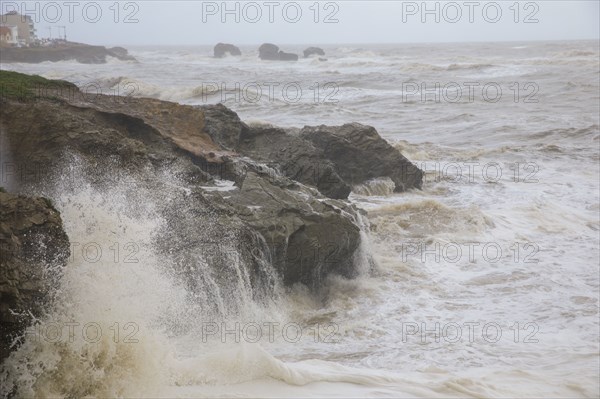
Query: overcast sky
x=287, y=22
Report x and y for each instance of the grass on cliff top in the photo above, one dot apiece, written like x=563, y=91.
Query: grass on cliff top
x=22, y=87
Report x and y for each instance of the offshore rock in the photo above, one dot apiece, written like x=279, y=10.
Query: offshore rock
x=271, y=52
x=268, y=51
x=222, y=49
x=312, y=51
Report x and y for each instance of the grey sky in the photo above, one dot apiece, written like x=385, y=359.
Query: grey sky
x=201, y=22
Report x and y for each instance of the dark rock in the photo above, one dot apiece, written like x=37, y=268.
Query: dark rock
x=222, y=49
x=313, y=50
x=268, y=51
x=223, y=125
x=360, y=154
x=120, y=53
x=301, y=234
x=309, y=237
x=99, y=132
x=82, y=53
x=287, y=56
x=296, y=158
x=332, y=159
x=34, y=248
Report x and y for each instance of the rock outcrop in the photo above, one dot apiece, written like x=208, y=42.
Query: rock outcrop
x=34, y=247
x=268, y=51
x=331, y=158
x=296, y=158
x=311, y=236
x=283, y=56
x=313, y=50
x=360, y=154
x=222, y=49
x=271, y=52
x=300, y=229
x=280, y=215
x=121, y=53
x=83, y=53
x=290, y=155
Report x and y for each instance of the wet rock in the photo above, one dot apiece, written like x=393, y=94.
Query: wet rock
x=309, y=236
x=301, y=233
x=223, y=125
x=294, y=157
x=331, y=158
x=359, y=154
x=120, y=53
x=290, y=155
x=312, y=51
x=268, y=51
x=222, y=49
x=271, y=52
x=283, y=56
x=83, y=53
x=34, y=248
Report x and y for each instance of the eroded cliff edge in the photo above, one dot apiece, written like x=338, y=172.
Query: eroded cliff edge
x=34, y=248
x=80, y=52
x=284, y=199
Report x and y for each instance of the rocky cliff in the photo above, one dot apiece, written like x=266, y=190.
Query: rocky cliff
x=283, y=206
x=33, y=249
x=83, y=53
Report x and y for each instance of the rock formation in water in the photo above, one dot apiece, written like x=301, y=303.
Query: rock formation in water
x=359, y=154
x=83, y=53
x=313, y=50
x=271, y=52
x=292, y=156
x=283, y=56
x=285, y=205
x=34, y=247
x=222, y=49
x=268, y=51
x=330, y=158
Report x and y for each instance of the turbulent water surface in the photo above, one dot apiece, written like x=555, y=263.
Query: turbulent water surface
x=486, y=281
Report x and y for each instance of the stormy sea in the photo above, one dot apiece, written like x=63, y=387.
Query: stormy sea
x=481, y=283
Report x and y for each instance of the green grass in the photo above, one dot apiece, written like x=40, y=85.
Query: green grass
x=22, y=87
